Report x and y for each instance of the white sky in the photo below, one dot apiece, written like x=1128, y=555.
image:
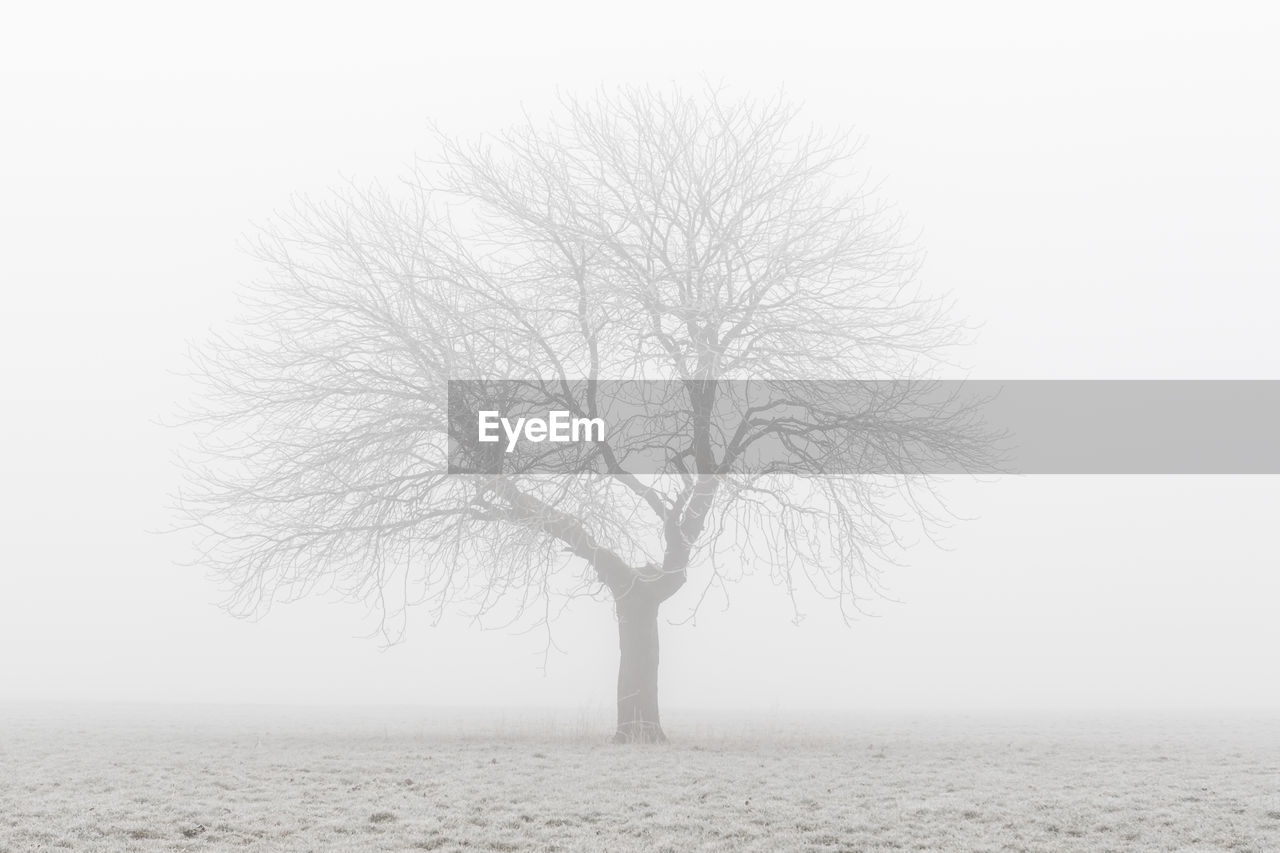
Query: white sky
x=1099, y=190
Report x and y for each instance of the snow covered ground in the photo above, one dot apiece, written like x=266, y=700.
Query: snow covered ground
x=116, y=778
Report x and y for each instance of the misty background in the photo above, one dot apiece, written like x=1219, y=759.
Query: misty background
x=1097, y=191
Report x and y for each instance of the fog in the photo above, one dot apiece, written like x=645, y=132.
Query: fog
x=1097, y=192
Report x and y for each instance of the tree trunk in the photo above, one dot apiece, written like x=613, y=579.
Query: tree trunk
x=638, y=720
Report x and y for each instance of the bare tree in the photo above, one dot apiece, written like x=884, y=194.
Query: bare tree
x=639, y=235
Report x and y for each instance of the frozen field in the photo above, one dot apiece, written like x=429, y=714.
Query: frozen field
x=110, y=778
